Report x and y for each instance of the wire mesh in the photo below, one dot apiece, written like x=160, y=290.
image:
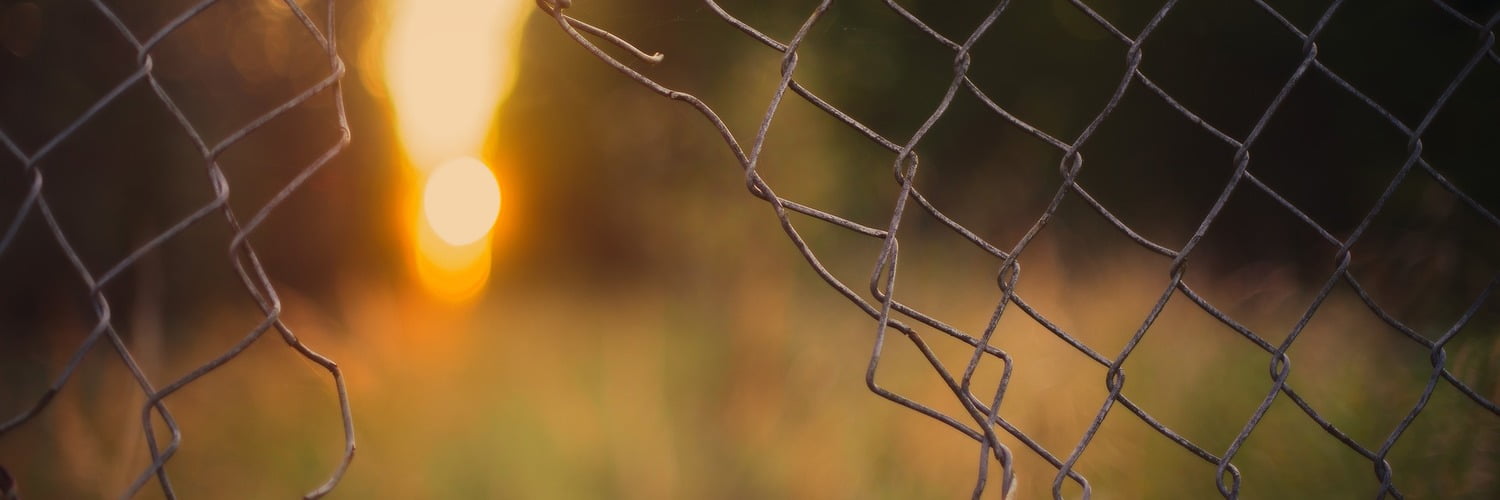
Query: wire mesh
x=34, y=208
x=982, y=419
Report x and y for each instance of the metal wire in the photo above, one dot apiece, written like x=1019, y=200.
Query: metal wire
x=982, y=421
x=241, y=253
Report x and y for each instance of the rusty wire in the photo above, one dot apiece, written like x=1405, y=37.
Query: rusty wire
x=985, y=421
x=241, y=253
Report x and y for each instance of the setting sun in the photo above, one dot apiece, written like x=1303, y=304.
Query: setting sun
x=447, y=66
x=461, y=201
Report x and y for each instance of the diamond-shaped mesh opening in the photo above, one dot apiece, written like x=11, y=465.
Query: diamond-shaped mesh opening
x=1163, y=213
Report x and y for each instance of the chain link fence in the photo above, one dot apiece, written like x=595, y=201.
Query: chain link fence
x=211, y=136
x=982, y=418
x=1001, y=443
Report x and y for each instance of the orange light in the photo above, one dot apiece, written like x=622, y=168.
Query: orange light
x=451, y=272
x=448, y=63
x=447, y=66
x=461, y=201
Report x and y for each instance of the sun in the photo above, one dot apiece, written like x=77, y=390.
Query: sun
x=446, y=65
x=461, y=200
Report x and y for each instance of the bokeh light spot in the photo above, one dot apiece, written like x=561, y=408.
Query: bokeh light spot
x=461, y=201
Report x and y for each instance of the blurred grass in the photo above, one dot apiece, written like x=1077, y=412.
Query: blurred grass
x=755, y=390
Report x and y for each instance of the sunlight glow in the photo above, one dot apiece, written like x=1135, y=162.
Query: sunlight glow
x=461, y=201
x=451, y=272
x=447, y=65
